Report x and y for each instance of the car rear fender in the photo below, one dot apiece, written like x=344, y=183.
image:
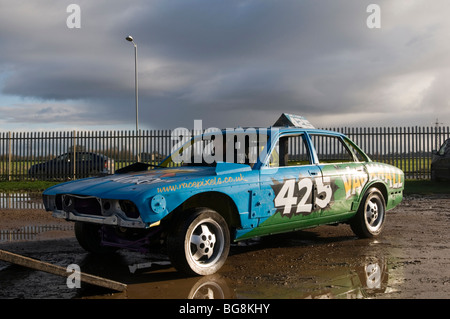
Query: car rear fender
x=376, y=184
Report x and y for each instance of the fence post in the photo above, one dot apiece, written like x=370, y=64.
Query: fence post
x=74, y=154
x=9, y=155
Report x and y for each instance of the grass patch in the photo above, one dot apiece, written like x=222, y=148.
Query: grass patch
x=426, y=187
x=25, y=186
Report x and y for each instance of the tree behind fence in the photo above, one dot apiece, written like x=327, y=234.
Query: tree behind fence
x=408, y=148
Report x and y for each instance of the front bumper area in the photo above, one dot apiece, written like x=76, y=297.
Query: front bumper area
x=114, y=220
x=92, y=209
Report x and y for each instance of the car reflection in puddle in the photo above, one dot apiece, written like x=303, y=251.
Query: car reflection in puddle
x=21, y=200
x=361, y=281
x=205, y=287
x=28, y=233
x=153, y=277
x=158, y=280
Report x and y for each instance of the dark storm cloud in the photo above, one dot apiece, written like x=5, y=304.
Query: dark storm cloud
x=226, y=62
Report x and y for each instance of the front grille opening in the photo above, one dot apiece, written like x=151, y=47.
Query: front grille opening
x=89, y=206
x=129, y=208
x=81, y=205
x=58, y=202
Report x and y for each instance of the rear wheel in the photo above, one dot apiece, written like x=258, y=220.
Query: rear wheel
x=199, y=243
x=369, y=220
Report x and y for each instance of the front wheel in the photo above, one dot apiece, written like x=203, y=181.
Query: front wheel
x=89, y=238
x=199, y=242
x=369, y=220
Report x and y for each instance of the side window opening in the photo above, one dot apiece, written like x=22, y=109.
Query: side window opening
x=290, y=151
x=361, y=157
x=332, y=149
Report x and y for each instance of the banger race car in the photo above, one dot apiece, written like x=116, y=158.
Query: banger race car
x=229, y=185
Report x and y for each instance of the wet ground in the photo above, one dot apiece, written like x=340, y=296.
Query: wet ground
x=410, y=260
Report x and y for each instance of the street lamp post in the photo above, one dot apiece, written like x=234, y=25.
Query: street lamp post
x=130, y=39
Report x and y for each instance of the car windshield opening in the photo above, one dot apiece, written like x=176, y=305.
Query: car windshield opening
x=246, y=147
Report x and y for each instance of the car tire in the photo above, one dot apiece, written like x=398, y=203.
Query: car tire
x=370, y=217
x=89, y=238
x=199, y=242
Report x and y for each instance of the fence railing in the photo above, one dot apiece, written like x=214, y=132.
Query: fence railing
x=408, y=148
x=22, y=154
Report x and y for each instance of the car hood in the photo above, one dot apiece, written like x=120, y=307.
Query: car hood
x=120, y=185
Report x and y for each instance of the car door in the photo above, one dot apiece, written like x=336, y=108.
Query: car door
x=342, y=168
x=291, y=182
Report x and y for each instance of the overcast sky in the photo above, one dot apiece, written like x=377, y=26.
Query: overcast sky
x=229, y=63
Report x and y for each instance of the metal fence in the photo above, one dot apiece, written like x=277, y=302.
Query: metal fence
x=76, y=154
x=23, y=153
x=408, y=148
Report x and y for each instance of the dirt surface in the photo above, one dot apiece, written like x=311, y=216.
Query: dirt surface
x=410, y=260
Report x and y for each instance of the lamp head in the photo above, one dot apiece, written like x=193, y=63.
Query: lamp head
x=129, y=38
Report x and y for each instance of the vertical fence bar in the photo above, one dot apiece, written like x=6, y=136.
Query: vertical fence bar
x=9, y=155
x=414, y=152
x=408, y=150
x=397, y=145
x=14, y=155
x=421, y=153
x=74, y=157
x=120, y=149
x=3, y=157
x=55, y=170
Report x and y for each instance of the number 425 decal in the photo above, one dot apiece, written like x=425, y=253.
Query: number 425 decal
x=286, y=197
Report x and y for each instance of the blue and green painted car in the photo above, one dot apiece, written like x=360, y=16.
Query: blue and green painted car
x=225, y=186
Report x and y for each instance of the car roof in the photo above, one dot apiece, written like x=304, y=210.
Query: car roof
x=309, y=130
x=281, y=129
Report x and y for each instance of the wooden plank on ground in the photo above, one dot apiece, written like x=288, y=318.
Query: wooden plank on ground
x=60, y=271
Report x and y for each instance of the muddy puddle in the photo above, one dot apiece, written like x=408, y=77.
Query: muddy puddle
x=21, y=200
x=32, y=232
x=342, y=281
x=410, y=260
x=298, y=265
x=253, y=271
